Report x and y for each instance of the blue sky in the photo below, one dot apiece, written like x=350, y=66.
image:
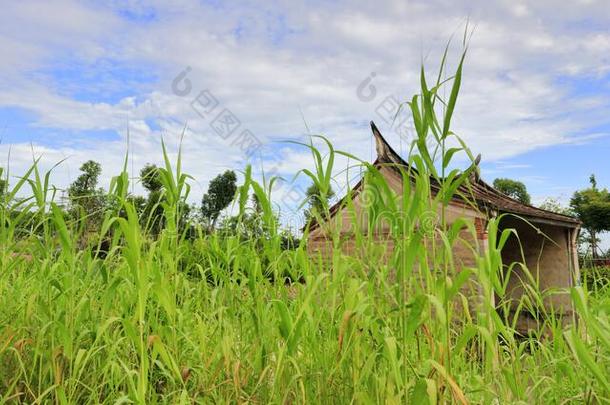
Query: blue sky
x=79, y=76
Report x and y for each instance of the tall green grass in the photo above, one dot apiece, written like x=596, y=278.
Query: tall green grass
x=209, y=318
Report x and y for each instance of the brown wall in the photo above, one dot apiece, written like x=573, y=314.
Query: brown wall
x=551, y=262
x=343, y=222
x=464, y=251
x=546, y=250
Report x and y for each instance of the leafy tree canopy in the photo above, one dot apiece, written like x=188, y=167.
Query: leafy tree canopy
x=315, y=201
x=86, y=200
x=220, y=193
x=86, y=183
x=513, y=188
x=3, y=182
x=151, y=178
x=592, y=206
x=553, y=205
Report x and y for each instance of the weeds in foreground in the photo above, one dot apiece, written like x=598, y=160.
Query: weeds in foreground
x=179, y=319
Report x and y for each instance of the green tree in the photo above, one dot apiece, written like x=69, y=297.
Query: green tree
x=3, y=183
x=87, y=202
x=553, y=205
x=221, y=192
x=592, y=206
x=251, y=225
x=83, y=192
x=152, y=211
x=256, y=204
x=138, y=202
x=513, y=188
x=150, y=178
x=315, y=201
x=86, y=183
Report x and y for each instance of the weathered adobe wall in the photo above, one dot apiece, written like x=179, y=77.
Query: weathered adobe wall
x=343, y=221
x=375, y=257
x=549, y=263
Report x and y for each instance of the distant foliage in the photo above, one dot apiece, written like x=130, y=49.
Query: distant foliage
x=592, y=206
x=553, y=205
x=597, y=279
x=150, y=178
x=138, y=202
x=87, y=201
x=316, y=202
x=152, y=211
x=221, y=192
x=85, y=184
x=513, y=188
x=3, y=182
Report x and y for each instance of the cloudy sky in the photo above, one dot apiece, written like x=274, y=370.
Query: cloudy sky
x=78, y=77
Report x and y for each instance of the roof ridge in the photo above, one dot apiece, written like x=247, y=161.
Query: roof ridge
x=482, y=191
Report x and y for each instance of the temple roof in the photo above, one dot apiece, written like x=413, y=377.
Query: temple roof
x=484, y=195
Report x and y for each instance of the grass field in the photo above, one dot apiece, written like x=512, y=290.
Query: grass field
x=206, y=317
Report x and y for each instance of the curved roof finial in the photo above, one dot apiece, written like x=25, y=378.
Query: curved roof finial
x=385, y=152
